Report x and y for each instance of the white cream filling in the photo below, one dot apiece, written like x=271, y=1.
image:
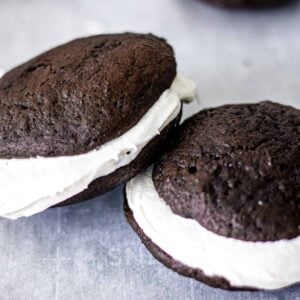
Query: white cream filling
x=264, y=265
x=28, y=186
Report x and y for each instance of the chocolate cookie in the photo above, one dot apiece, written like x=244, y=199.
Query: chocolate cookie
x=76, y=97
x=228, y=194
x=84, y=117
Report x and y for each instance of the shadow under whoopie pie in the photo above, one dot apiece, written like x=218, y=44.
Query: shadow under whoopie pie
x=223, y=204
x=82, y=118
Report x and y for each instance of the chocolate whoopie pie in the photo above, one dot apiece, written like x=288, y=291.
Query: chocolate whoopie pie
x=223, y=204
x=248, y=3
x=82, y=118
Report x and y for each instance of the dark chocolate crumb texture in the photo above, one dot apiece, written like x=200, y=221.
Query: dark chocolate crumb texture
x=236, y=170
x=78, y=96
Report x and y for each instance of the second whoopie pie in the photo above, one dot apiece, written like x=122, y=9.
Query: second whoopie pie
x=248, y=3
x=84, y=117
x=223, y=204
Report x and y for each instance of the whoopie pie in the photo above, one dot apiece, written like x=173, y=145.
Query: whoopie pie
x=222, y=205
x=82, y=118
x=252, y=4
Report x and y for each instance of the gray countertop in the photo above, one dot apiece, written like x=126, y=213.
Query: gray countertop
x=88, y=251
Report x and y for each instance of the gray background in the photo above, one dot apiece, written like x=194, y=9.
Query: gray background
x=88, y=251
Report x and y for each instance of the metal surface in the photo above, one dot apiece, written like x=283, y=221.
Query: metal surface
x=88, y=251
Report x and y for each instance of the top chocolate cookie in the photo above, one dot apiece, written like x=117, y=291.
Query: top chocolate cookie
x=236, y=170
x=83, y=94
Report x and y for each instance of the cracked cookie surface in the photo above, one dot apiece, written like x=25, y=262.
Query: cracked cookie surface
x=78, y=96
x=236, y=170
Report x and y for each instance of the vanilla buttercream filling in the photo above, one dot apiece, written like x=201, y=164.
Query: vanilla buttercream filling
x=263, y=265
x=31, y=185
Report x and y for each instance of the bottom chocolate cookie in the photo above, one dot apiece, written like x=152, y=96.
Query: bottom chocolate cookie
x=171, y=263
